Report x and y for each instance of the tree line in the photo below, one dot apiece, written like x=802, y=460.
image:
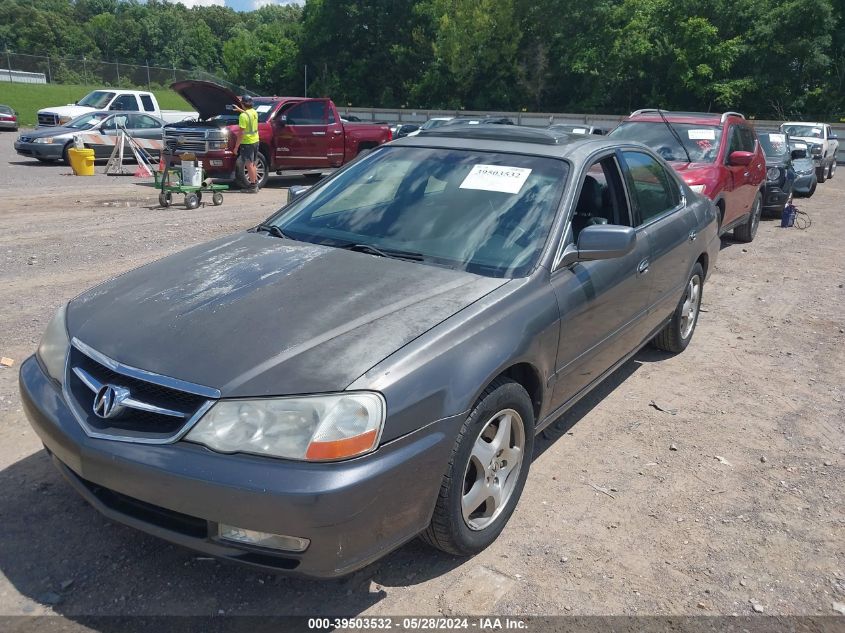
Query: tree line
x=768, y=58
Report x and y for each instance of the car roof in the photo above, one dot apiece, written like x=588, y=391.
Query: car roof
x=810, y=123
x=514, y=139
x=695, y=118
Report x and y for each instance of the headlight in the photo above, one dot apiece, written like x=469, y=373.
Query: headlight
x=773, y=174
x=310, y=428
x=43, y=139
x=697, y=188
x=54, y=345
x=217, y=144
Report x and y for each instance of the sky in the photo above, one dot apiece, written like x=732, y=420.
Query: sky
x=238, y=5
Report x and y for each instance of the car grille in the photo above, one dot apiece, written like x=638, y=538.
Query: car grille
x=47, y=119
x=144, y=408
x=185, y=141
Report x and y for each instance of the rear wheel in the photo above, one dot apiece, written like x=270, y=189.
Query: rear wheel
x=486, y=473
x=191, y=201
x=821, y=174
x=217, y=199
x=832, y=169
x=747, y=231
x=678, y=332
x=242, y=177
x=165, y=199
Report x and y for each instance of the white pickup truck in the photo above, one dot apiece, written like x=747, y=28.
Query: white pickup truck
x=822, y=142
x=110, y=99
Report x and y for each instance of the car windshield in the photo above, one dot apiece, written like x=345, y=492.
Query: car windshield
x=263, y=108
x=97, y=99
x=701, y=141
x=87, y=120
x=483, y=212
x=432, y=123
x=807, y=131
x=774, y=145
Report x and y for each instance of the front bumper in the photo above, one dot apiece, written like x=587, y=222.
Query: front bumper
x=353, y=512
x=776, y=195
x=804, y=183
x=51, y=151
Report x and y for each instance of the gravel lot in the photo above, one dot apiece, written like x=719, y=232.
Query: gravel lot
x=728, y=501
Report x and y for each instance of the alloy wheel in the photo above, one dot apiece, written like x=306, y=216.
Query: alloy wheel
x=691, y=305
x=493, y=469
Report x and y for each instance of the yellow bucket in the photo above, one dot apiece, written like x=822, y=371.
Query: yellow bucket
x=81, y=161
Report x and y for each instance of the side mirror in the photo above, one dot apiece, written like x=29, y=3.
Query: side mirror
x=600, y=241
x=740, y=159
x=799, y=153
x=833, y=136
x=282, y=120
x=296, y=191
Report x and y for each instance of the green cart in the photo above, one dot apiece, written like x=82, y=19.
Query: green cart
x=170, y=182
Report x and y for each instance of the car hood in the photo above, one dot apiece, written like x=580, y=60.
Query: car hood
x=68, y=110
x=810, y=140
x=777, y=161
x=253, y=315
x=209, y=99
x=54, y=131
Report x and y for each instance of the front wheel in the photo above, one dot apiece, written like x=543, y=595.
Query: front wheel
x=747, y=231
x=832, y=169
x=821, y=174
x=678, y=332
x=486, y=473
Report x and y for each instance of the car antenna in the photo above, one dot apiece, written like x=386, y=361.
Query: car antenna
x=675, y=134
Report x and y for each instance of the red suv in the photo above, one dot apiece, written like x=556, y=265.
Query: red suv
x=717, y=155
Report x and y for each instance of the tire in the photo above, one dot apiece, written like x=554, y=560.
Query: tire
x=47, y=161
x=242, y=180
x=199, y=198
x=450, y=529
x=191, y=201
x=831, y=170
x=165, y=199
x=820, y=174
x=217, y=199
x=678, y=332
x=747, y=231
x=65, y=157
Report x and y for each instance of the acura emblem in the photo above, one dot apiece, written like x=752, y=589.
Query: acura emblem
x=108, y=401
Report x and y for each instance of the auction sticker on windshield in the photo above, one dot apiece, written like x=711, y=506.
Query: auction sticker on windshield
x=263, y=108
x=496, y=178
x=702, y=135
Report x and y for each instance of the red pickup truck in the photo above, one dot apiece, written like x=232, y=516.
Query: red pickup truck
x=296, y=134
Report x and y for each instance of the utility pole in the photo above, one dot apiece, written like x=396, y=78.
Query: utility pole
x=306, y=80
x=84, y=71
x=9, y=63
x=49, y=72
x=117, y=70
x=148, y=75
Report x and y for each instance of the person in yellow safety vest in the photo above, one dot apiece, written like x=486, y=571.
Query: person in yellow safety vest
x=248, y=122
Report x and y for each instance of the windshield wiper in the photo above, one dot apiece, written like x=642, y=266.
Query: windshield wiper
x=383, y=252
x=674, y=133
x=272, y=229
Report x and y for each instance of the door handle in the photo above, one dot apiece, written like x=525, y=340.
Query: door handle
x=692, y=236
x=318, y=133
x=745, y=174
x=642, y=269
x=336, y=132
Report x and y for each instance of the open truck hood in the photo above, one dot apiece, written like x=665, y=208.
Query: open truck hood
x=209, y=99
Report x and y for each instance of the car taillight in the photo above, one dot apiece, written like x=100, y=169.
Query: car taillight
x=389, y=134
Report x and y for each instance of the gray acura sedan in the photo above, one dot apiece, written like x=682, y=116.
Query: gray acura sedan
x=374, y=361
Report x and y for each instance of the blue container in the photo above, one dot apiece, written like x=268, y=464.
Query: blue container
x=787, y=218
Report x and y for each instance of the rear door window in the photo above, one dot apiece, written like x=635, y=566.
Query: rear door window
x=654, y=191
x=147, y=102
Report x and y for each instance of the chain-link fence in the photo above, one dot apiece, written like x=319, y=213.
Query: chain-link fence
x=115, y=74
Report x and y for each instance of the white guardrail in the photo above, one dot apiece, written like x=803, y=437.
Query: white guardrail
x=542, y=119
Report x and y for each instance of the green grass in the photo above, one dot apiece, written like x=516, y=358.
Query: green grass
x=27, y=99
